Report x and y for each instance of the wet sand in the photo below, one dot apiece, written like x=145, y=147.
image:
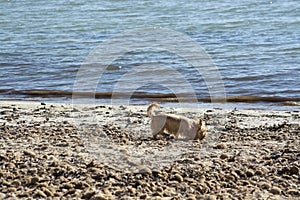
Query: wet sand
x=106, y=152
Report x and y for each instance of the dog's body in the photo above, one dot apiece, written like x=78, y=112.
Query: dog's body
x=176, y=125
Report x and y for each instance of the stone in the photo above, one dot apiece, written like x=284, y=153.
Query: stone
x=34, y=180
x=145, y=170
x=144, y=196
x=2, y=195
x=294, y=192
x=157, y=194
x=23, y=195
x=275, y=190
x=40, y=193
x=249, y=173
x=259, y=172
x=99, y=197
x=265, y=185
x=88, y=194
x=224, y=156
x=294, y=170
x=47, y=192
x=29, y=153
x=221, y=146
x=210, y=197
x=178, y=178
x=191, y=197
x=16, y=183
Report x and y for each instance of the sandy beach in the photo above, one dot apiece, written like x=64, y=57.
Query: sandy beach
x=61, y=151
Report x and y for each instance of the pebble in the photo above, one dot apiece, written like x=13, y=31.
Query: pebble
x=99, y=197
x=265, y=185
x=294, y=192
x=157, y=194
x=34, y=180
x=144, y=196
x=294, y=170
x=259, y=172
x=24, y=195
x=29, y=153
x=16, y=183
x=221, y=146
x=224, y=156
x=249, y=173
x=40, y=193
x=2, y=195
x=145, y=170
x=275, y=190
x=88, y=194
x=191, y=197
x=265, y=170
x=178, y=178
x=210, y=197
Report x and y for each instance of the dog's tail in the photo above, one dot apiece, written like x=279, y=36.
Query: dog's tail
x=149, y=110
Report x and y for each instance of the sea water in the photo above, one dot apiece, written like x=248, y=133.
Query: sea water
x=253, y=45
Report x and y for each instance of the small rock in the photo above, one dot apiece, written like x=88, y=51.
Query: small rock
x=47, y=192
x=265, y=185
x=210, y=197
x=249, y=173
x=144, y=196
x=70, y=191
x=235, y=175
x=22, y=195
x=75, y=110
x=67, y=186
x=159, y=189
x=275, y=190
x=2, y=196
x=155, y=172
x=224, y=156
x=293, y=192
x=145, y=170
x=264, y=170
x=191, y=197
x=11, y=190
x=16, y=183
x=29, y=153
x=221, y=146
x=294, y=170
x=259, y=172
x=99, y=197
x=157, y=194
x=196, y=158
x=34, y=180
x=40, y=193
x=178, y=178
x=88, y=194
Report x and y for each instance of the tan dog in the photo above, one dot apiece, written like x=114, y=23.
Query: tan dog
x=176, y=125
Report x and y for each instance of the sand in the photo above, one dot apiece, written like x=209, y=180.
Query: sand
x=51, y=150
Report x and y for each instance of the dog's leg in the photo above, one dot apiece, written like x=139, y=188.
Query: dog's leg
x=196, y=136
x=157, y=127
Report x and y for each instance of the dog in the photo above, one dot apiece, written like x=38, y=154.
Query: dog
x=176, y=125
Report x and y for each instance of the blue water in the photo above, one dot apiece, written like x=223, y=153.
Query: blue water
x=255, y=44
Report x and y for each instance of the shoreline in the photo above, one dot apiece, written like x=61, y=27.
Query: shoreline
x=285, y=102
x=288, y=106
x=90, y=151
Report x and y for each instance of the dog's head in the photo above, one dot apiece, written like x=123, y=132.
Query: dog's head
x=201, y=130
